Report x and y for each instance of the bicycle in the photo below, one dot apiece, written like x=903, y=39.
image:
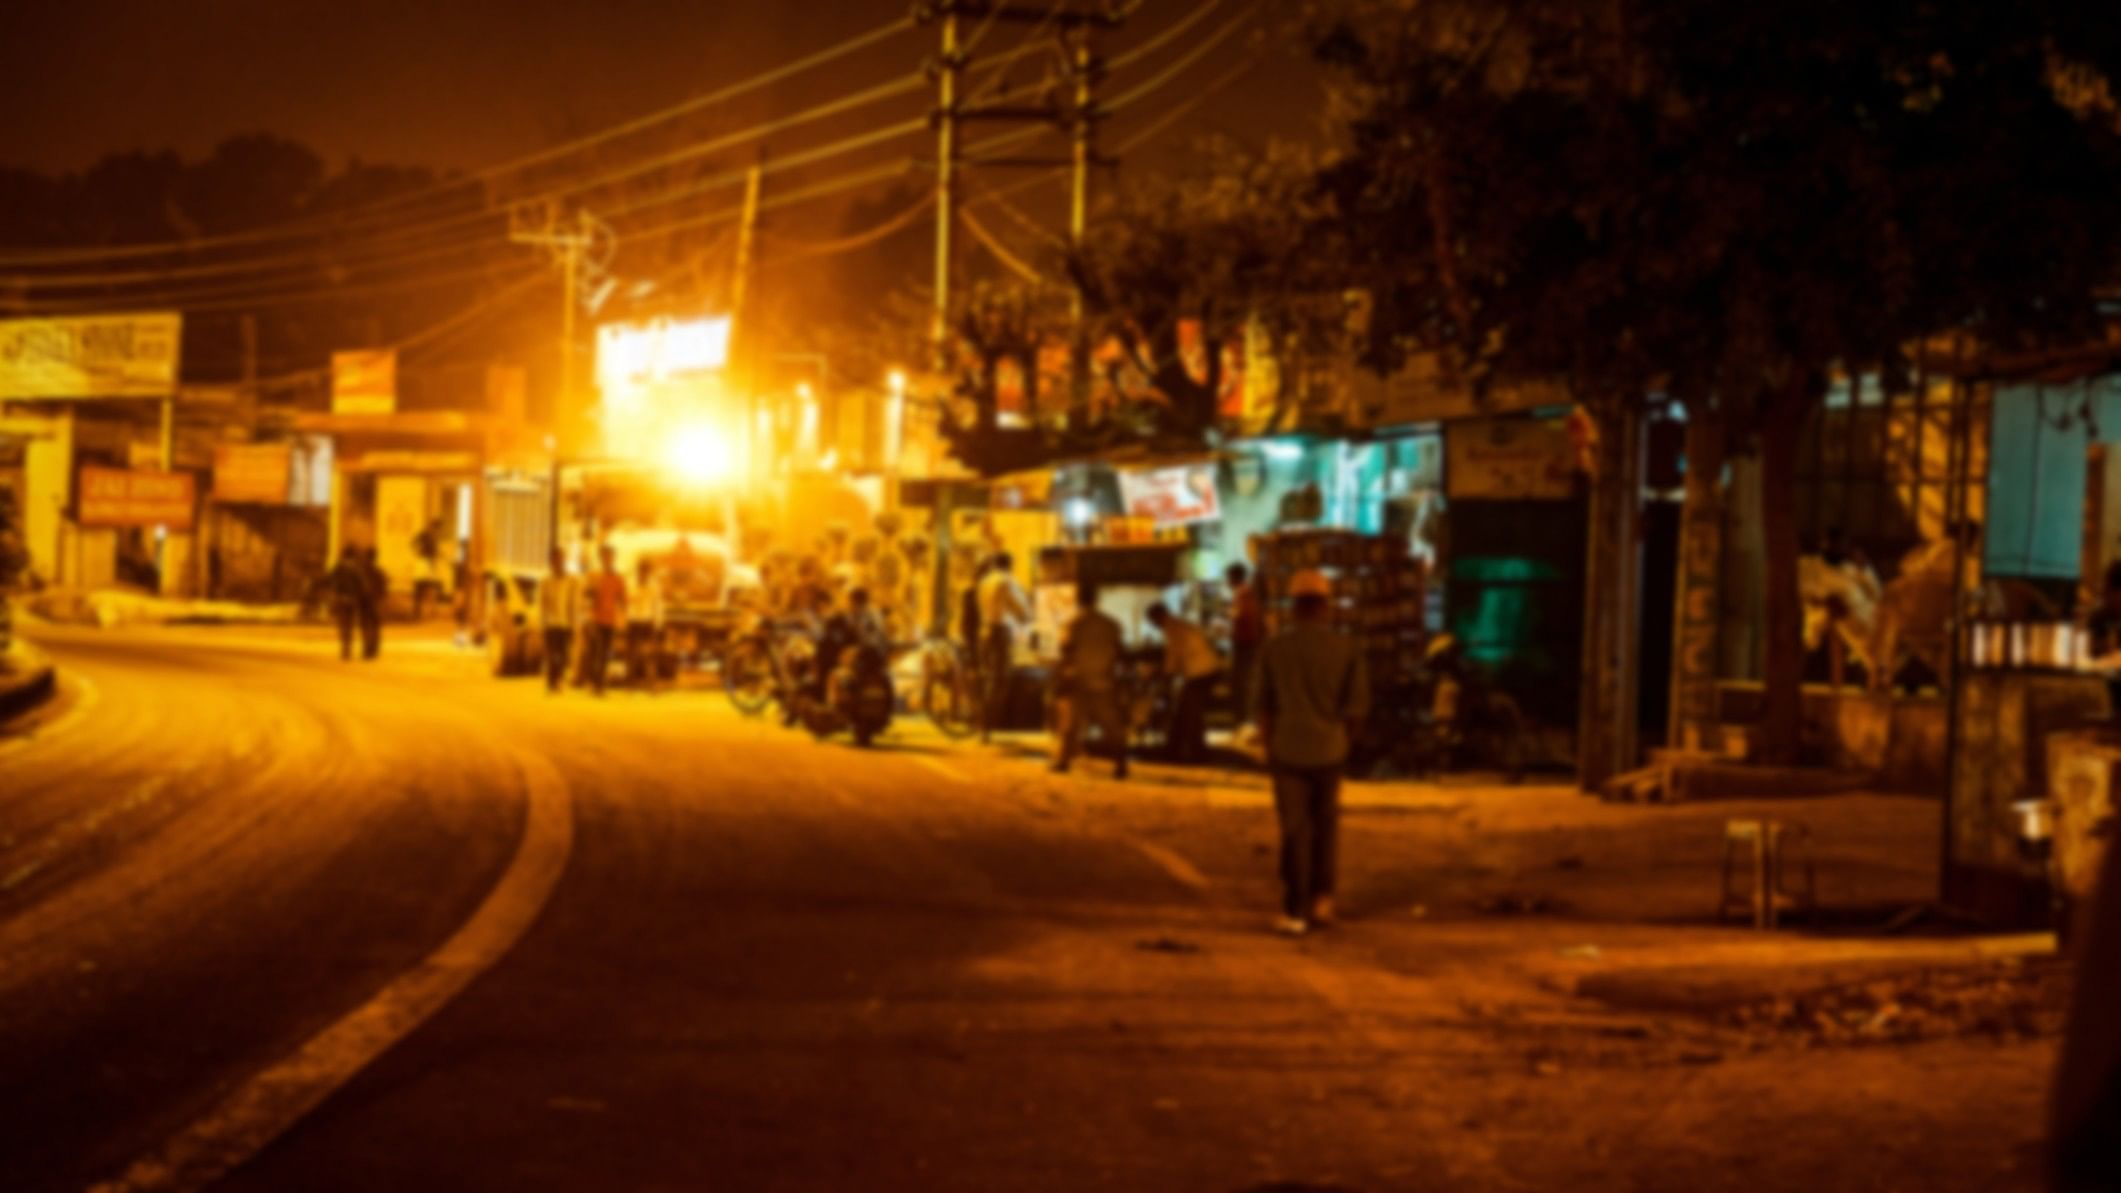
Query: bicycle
x=759, y=667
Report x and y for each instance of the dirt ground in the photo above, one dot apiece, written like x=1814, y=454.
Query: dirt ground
x=1554, y=1003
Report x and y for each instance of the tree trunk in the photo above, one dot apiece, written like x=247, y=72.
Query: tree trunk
x=1782, y=718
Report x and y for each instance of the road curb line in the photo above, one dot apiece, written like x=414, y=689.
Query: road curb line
x=254, y=1114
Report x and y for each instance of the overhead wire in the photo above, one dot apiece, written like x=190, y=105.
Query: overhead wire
x=306, y=226
x=842, y=184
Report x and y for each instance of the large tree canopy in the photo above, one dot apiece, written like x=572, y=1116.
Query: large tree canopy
x=1727, y=201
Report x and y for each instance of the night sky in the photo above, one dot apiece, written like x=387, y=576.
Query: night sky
x=454, y=84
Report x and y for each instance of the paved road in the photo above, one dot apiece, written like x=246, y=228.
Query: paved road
x=273, y=922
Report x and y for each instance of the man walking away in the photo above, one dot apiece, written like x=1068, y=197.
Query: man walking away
x=1090, y=651
x=374, y=592
x=559, y=606
x=1248, y=629
x=1313, y=687
x=1191, y=658
x=1002, y=608
x=607, y=615
x=348, y=583
x=644, y=627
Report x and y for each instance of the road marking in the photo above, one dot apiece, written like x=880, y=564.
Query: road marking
x=1185, y=873
x=942, y=768
x=260, y=1109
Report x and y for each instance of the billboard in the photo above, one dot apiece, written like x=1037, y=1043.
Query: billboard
x=135, y=497
x=253, y=473
x=1509, y=459
x=1172, y=496
x=364, y=382
x=95, y=356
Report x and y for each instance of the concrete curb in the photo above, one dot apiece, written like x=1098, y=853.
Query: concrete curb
x=28, y=682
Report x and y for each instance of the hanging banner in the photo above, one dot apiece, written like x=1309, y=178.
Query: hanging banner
x=253, y=473
x=97, y=356
x=135, y=497
x=364, y=382
x=1172, y=496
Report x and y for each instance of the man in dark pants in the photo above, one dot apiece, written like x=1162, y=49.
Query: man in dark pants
x=559, y=608
x=607, y=617
x=374, y=591
x=1312, y=688
x=348, y=583
x=1190, y=659
x=1002, y=608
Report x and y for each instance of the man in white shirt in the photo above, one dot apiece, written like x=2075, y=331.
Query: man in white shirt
x=1190, y=659
x=559, y=608
x=644, y=626
x=1003, y=608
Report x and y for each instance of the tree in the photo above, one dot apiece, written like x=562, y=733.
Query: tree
x=1729, y=203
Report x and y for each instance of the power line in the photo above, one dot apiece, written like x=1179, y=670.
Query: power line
x=301, y=227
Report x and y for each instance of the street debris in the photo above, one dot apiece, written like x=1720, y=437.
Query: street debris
x=1580, y=952
x=1167, y=944
x=2005, y=1002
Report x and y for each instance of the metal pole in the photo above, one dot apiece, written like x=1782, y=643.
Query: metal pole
x=1085, y=66
x=950, y=68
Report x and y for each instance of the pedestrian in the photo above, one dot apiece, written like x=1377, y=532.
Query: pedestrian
x=644, y=627
x=1248, y=629
x=348, y=585
x=607, y=616
x=1003, y=608
x=559, y=609
x=968, y=626
x=1190, y=659
x=1313, y=690
x=373, y=594
x=1087, y=693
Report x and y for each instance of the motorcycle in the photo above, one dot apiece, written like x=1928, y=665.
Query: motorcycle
x=858, y=697
x=1445, y=714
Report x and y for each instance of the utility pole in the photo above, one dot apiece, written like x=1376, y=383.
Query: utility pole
x=1087, y=70
x=569, y=242
x=743, y=356
x=950, y=117
x=949, y=73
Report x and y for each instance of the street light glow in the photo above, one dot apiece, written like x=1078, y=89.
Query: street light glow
x=699, y=455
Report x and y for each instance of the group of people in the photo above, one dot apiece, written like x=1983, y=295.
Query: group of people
x=1307, y=690
x=587, y=619
x=358, y=589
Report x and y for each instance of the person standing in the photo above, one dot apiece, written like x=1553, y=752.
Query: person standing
x=1313, y=688
x=559, y=608
x=644, y=627
x=1248, y=629
x=348, y=584
x=607, y=616
x=1003, y=608
x=1191, y=659
x=374, y=592
x=1088, y=694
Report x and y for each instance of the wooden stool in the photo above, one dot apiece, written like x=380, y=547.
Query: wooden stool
x=1767, y=895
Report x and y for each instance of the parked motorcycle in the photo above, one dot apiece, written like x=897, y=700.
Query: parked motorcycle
x=1446, y=715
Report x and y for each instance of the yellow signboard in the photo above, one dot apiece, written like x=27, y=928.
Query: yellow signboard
x=95, y=356
x=364, y=382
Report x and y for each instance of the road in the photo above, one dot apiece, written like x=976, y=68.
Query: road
x=269, y=921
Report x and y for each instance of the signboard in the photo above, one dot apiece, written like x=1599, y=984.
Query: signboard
x=1422, y=392
x=135, y=497
x=401, y=514
x=253, y=473
x=1509, y=459
x=1172, y=496
x=634, y=354
x=97, y=356
x=364, y=382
